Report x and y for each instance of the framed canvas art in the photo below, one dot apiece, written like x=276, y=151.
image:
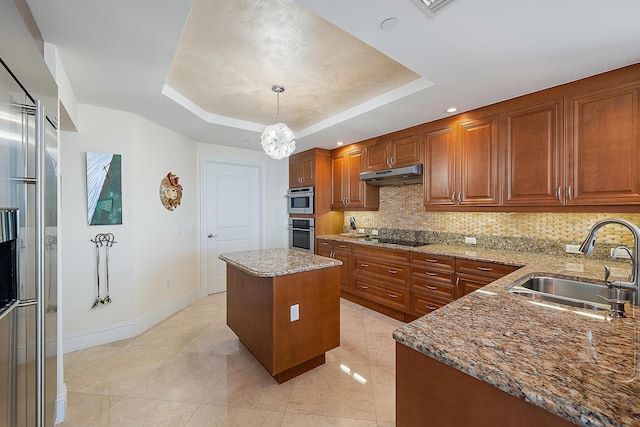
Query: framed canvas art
x=104, y=188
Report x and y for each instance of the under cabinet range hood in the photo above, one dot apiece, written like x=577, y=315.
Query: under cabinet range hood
x=396, y=176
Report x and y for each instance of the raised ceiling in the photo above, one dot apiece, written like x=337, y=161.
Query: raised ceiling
x=212, y=84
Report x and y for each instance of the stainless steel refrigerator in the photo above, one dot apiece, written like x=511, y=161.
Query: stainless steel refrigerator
x=28, y=257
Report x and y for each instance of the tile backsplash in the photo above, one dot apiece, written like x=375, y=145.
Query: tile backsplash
x=401, y=208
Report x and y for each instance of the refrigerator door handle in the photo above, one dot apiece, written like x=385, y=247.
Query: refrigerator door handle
x=40, y=267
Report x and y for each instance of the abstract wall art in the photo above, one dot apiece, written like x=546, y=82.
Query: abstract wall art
x=104, y=188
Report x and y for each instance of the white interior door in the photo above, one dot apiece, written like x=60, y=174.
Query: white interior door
x=232, y=212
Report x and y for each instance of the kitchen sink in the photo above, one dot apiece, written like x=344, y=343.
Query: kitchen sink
x=563, y=291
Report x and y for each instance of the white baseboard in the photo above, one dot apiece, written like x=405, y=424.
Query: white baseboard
x=125, y=330
x=61, y=405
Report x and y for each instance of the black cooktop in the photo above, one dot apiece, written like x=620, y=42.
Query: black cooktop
x=397, y=242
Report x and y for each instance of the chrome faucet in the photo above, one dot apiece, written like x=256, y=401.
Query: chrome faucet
x=590, y=242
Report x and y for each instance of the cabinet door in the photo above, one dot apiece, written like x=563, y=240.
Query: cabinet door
x=467, y=284
x=355, y=187
x=295, y=171
x=439, y=167
x=338, y=182
x=533, y=150
x=604, y=146
x=377, y=156
x=345, y=269
x=405, y=151
x=308, y=169
x=478, y=167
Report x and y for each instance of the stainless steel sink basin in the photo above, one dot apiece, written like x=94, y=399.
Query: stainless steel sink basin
x=563, y=291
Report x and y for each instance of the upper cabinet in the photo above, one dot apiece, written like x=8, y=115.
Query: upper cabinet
x=393, y=153
x=302, y=169
x=603, y=143
x=461, y=165
x=533, y=155
x=348, y=192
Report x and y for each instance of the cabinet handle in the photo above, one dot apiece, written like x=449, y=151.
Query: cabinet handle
x=428, y=273
x=569, y=195
x=484, y=268
x=325, y=243
x=333, y=254
x=364, y=265
x=343, y=246
x=393, y=161
x=428, y=307
x=393, y=271
x=431, y=260
x=457, y=281
x=558, y=193
x=453, y=197
x=364, y=287
x=459, y=197
x=392, y=295
x=433, y=288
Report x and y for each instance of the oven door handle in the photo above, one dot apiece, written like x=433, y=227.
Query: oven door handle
x=301, y=229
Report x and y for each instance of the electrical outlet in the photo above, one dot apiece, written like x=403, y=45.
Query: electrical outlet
x=168, y=284
x=470, y=240
x=374, y=232
x=294, y=312
x=573, y=249
x=361, y=230
x=620, y=253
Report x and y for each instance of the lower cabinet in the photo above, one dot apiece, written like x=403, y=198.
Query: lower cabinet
x=404, y=284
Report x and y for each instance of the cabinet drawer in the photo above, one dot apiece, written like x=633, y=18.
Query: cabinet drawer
x=390, y=296
x=376, y=253
x=483, y=269
x=438, y=287
x=422, y=304
x=466, y=284
x=325, y=244
x=342, y=247
x=381, y=270
x=434, y=262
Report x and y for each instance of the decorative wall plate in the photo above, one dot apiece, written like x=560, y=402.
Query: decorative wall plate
x=170, y=192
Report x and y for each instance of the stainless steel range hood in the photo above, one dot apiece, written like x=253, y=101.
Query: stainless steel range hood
x=397, y=176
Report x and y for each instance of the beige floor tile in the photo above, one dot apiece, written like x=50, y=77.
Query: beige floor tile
x=381, y=348
x=352, y=350
x=305, y=420
x=89, y=410
x=250, y=387
x=376, y=322
x=218, y=339
x=384, y=392
x=130, y=412
x=334, y=390
x=214, y=416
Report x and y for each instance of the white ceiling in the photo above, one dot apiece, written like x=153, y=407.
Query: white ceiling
x=120, y=54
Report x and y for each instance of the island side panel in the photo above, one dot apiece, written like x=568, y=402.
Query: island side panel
x=318, y=330
x=429, y=392
x=250, y=313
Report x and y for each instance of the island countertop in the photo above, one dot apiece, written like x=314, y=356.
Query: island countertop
x=578, y=364
x=277, y=262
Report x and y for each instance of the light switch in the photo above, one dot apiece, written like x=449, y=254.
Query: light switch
x=294, y=312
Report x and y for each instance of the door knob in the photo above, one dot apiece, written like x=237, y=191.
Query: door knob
x=211, y=236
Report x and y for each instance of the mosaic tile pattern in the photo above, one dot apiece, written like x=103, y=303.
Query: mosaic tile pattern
x=401, y=209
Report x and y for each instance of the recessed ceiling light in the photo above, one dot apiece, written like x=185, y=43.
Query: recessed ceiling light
x=429, y=7
x=452, y=110
x=340, y=143
x=389, y=24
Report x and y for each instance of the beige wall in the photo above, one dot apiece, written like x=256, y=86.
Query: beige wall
x=401, y=208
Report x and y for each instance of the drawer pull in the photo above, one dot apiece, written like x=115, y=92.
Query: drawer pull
x=343, y=246
x=433, y=288
x=428, y=307
x=364, y=287
x=364, y=265
x=392, y=295
x=428, y=273
x=325, y=243
x=484, y=268
x=393, y=271
x=431, y=260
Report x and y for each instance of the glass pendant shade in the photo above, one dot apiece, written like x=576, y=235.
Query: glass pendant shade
x=278, y=141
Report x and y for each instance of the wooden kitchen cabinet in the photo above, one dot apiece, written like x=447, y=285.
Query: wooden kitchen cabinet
x=533, y=155
x=603, y=143
x=340, y=251
x=348, y=192
x=393, y=153
x=431, y=283
x=461, y=165
x=472, y=275
x=302, y=169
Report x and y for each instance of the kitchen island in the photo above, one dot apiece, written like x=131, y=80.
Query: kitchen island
x=495, y=358
x=284, y=306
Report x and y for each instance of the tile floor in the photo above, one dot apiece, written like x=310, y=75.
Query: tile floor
x=191, y=370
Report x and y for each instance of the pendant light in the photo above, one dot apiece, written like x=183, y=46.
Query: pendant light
x=278, y=140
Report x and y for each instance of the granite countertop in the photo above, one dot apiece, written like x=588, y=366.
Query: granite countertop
x=581, y=365
x=277, y=262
